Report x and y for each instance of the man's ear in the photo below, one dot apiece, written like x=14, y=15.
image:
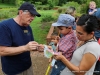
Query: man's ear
x=20, y=11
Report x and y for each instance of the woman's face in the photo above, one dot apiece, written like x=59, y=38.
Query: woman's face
x=82, y=35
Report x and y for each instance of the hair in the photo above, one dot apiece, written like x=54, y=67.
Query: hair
x=88, y=22
x=76, y=18
x=59, y=27
x=92, y=2
x=25, y=11
x=70, y=10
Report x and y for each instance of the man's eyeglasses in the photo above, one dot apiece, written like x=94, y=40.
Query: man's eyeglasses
x=30, y=13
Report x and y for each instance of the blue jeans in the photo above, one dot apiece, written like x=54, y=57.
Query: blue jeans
x=97, y=67
x=57, y=68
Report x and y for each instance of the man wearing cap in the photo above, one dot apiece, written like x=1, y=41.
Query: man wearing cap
x=67, y=43
x=16, y=41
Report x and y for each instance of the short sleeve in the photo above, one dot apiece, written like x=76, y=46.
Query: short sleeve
x=5, y=36
x=93, y=48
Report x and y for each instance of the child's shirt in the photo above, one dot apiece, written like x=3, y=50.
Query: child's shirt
x=67, y=44
x=90, y=10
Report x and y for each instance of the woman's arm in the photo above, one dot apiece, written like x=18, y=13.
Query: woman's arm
x=85, y=65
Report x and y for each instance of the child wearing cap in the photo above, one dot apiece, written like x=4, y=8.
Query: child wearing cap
x=66, y=44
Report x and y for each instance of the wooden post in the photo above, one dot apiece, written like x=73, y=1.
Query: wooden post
x=49, y=34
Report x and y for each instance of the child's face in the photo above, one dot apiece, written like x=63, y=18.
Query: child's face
x=64, y=30
x=92, y=6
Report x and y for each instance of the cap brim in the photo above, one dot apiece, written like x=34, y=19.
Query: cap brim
x=57, y=24
x=35, y=13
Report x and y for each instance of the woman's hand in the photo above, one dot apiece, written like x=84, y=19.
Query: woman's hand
x=58, y=56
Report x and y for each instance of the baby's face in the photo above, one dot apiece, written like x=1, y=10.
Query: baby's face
x=92, y=6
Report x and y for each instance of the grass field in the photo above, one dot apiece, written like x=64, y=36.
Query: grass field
x=40, y=30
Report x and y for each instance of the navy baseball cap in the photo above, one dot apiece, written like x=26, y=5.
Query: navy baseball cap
x=28, y=6
x=65, y=20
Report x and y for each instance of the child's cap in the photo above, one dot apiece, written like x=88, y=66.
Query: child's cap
x=65, y=20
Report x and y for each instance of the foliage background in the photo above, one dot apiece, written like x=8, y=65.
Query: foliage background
x=49, y=9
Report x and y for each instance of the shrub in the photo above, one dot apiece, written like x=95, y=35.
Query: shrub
x=85, y=7
x=42, y=7
x=73, y=4
x=52, y=3
x=61, y=10
x=39, y=8
x=7, y=13
x=4, y=14
x=38, y=3
x=48, y=18
x=45, y=7
x=56, y=7
x=13, y=10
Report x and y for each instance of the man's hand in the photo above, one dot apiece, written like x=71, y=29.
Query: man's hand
x=40, y=47
x=31, y=46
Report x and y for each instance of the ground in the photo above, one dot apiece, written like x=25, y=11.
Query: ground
x=40, y=63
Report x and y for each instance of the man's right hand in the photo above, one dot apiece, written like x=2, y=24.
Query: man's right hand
x=31, y=46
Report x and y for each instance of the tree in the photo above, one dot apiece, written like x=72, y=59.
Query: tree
x=2, y=1
x=18, y=2
x=61, y=2
x=53, y=3
x=97, y=3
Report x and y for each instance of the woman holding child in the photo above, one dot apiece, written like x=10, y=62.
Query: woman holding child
x=87, y=53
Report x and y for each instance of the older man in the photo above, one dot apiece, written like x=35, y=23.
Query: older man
x=16, y=41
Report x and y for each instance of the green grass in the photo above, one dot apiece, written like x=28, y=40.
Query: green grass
x=39, y=33
x=4, y=5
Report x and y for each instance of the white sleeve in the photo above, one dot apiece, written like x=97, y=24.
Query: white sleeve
x=93, y=48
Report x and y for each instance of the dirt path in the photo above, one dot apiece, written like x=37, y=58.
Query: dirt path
x=39, y=62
